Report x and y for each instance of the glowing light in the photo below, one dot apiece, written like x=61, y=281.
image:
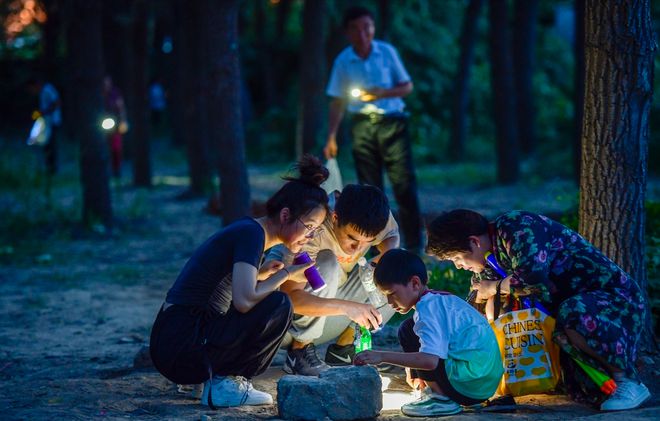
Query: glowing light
x=356, y=93
x=394, y=399
x=108, y=123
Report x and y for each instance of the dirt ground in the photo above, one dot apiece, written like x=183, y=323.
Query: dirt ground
x=73, y=317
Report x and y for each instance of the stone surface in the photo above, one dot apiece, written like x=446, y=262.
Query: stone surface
x=341, y=393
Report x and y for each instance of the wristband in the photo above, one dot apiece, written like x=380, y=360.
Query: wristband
x=287, y=273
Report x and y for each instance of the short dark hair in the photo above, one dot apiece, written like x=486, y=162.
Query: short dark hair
x=397, y=266
x=353, y=13
x=363, y=206
x=448, y=233
x=301, y=194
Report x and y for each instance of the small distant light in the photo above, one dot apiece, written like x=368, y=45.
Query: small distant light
x=167, y=45
x=356, y=93
x=108, y=123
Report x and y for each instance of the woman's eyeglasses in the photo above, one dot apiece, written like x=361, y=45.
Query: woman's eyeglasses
x=310, y=231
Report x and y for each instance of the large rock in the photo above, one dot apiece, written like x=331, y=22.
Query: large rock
x=341, y=393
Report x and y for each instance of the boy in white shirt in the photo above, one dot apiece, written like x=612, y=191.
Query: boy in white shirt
x=448, y=346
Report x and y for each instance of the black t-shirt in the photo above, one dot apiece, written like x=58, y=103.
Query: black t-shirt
x=205, y=280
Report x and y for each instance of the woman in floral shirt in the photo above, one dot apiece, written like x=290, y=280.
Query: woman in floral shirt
x=600, y=309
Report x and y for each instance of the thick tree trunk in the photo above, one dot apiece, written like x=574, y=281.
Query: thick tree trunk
x=524, y=37
x=503, y=94
x=578, y=99
x=225, y=105
x=191, y=85
x=619, y=48
x=85, y=48
x=118, y=44
x=462, y=92
x=141, y=133
x=267, y=86
x=312, y=78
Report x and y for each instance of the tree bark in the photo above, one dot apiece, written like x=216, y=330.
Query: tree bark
x=619, y=47
x=50, y=39
x=192, y=75
x=524, y=37
x=503, y=94
x=118, y=50
x=226, y=127
x=384, y=22
x=85, y=49
x=578, y=99
x=312, y=78
x=461, y=95
x=141, y=134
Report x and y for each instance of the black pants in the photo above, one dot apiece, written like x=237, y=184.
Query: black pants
x=50, y=151
x=382, y=142
x=184, y=343
x=410, y=343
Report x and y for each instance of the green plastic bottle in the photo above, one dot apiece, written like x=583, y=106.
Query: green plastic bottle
x=362, y=339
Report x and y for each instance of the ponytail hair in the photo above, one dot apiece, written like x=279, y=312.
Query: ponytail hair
x=303, y=193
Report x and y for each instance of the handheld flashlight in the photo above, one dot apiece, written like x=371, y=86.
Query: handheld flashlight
x=356, y=92
x=108, y=123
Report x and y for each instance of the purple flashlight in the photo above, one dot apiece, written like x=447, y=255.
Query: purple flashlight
x=312, y=274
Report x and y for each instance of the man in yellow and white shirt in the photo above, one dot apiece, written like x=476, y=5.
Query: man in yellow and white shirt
x=360, y=218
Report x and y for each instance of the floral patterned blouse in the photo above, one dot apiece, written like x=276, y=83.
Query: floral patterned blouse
x=550, y=260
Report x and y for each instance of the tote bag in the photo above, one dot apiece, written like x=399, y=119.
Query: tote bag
x=530, y=357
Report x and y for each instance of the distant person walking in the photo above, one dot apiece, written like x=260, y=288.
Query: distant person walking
x=116, y=109
x=369, y=80
x=50, y=108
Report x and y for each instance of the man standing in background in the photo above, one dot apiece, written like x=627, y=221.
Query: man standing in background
x=368, y=79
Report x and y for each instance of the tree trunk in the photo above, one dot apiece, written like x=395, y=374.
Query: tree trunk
x=283, y=11
x=191, y=85
x=50, y=40
x=226, y=127
x=462, y=93
x=619, y=47
x=524, y=37
x=141, y=133
x=267, y=82
x=118, y=43
x=503, y=94
x=312, y=78
x=85, y=48
x=578, y=98
x=384, y=23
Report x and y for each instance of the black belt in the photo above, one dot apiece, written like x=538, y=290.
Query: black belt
x=377, y=117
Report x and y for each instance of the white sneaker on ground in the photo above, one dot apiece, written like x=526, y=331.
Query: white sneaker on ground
x=233, y=391
x=431, y=404
x=629, y=394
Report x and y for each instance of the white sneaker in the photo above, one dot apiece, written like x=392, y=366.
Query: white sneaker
x=233, y=391
x=431, y=405
x=628, y=395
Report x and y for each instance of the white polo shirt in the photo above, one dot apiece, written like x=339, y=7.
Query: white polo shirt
x=382, y=68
